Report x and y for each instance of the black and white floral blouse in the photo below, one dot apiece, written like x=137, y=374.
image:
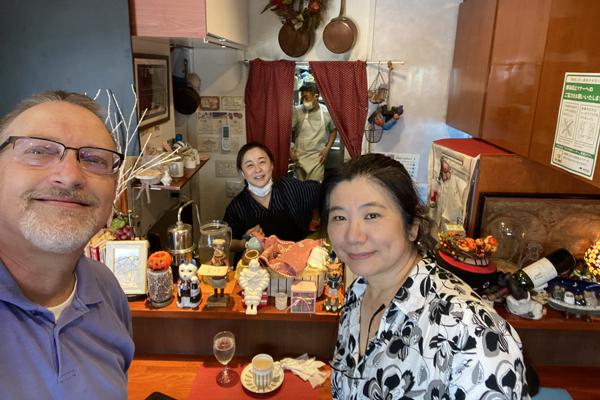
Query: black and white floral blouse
x=437, y=340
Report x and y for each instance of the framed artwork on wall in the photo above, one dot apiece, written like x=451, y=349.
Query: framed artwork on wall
x=127, y=260
x=151, y=75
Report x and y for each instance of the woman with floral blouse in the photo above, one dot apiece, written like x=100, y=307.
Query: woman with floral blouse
x=409, y=329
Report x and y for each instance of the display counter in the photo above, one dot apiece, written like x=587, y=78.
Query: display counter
x=556, y=340
x=172, y=330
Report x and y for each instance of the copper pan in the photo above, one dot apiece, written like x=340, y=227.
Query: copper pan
x=295, y=43
x=340, y=33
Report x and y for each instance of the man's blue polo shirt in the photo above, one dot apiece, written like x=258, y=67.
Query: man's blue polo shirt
x=85, y=355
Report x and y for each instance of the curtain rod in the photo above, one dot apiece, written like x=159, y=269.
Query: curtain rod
x=388, y=63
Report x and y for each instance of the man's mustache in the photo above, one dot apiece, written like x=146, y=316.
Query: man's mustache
x=74, y=196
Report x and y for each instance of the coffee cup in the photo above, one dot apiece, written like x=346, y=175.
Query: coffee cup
x=262, y=370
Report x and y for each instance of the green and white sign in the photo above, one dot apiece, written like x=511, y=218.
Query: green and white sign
x=577, y=134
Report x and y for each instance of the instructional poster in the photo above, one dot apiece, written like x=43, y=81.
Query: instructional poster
x=576, y=139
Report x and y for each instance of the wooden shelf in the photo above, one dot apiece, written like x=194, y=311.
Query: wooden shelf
x=553, y=320
x=177, y=183
x=235, y=311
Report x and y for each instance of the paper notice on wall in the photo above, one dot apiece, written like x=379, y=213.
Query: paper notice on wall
x=210, y=123
x=576, y=139
x=410, y=162
x=232, y=103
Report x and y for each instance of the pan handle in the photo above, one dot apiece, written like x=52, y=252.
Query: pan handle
x=342, y=8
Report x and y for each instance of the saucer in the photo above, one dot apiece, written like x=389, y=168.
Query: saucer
x=248, y=383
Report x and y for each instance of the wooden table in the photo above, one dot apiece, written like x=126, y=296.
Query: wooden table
x=174, y=376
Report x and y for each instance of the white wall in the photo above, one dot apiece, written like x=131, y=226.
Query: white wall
x=419, y=32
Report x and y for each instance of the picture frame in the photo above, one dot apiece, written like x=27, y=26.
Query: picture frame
x=127, y=260
x=522, y=222
x=210, y=103
x=151, y=76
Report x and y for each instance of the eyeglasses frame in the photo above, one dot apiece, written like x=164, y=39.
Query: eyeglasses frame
x=13, y=139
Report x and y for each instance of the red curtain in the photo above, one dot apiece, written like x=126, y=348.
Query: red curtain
x=343, y=85
x=268, y=98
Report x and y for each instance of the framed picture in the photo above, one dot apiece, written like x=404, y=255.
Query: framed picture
x=524, y=223
x=151, y=74
x=127, y=260
x=209, y=103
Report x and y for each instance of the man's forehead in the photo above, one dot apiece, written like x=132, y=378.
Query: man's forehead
x=56, y=118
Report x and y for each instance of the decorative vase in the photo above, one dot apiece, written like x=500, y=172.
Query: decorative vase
x=160, y=287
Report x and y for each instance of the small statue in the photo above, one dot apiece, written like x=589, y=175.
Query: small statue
x=334, y=282
x=525, y=308
x=219, y=258
x=253, y=280
x=188, y=286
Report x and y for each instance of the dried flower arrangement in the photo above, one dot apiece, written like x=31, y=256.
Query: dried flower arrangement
x=465, y=248
x=304, y=17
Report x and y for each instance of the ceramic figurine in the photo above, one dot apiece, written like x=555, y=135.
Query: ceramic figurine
x=334, y=283
x=219, y=258
x=188, y=286
x=525, y=308
x=253, y=280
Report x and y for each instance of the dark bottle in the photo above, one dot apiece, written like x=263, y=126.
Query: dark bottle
x=537, y=274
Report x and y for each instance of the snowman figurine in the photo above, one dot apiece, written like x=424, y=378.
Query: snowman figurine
x=188, y=286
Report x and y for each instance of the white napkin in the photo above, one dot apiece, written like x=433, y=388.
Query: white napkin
x=306, y=368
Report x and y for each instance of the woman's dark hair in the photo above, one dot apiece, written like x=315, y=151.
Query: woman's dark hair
x=388, y=173
x=249, y=146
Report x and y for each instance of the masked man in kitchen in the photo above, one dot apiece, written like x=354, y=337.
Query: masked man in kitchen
x=65, y=322
x=313, y=134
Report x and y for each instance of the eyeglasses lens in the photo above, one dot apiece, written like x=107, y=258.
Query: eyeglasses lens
x=41, y=153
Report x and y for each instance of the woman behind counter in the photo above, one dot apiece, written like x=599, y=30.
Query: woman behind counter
x=283, y=207
x=409, y=329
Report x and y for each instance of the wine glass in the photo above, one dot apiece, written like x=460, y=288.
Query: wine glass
x=224, y=349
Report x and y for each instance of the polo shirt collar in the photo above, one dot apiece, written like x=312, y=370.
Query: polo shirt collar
x=87, y=287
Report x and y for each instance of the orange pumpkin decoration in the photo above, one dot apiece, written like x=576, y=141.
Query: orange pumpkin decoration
x=159, y=260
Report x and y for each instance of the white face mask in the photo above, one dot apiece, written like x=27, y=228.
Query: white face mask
x=261, y=191
x=308, y=105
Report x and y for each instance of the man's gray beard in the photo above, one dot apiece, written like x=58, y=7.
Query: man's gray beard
x=61, y=233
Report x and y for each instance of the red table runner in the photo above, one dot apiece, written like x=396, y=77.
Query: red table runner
x=205, y=386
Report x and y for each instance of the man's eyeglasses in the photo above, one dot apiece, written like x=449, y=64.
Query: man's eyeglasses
x=40, y=153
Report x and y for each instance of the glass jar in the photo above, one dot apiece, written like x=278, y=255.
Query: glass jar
x=160, y=287
x=210, y=231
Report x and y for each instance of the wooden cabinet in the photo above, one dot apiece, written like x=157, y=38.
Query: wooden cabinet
x=516, y=61
x=510, y=59
x=468, y=80
x=572, y=45
x=495, y=77
x=202, y=22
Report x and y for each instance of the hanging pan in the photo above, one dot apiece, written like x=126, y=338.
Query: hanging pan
x=340, y=33
x=295, y=42
x=185, y=97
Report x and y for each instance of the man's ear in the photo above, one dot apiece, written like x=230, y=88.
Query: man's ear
x=242, y=173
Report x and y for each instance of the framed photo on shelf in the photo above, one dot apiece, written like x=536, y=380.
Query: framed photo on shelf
x=127, y=260
x=151, y=75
